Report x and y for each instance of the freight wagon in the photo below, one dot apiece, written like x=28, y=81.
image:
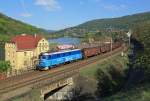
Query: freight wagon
x=92, y=51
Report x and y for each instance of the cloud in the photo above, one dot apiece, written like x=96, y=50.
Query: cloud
x=112, y=7
x=50, y=5
x=26, y=15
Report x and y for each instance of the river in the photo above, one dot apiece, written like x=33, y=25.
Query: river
x=65, y=40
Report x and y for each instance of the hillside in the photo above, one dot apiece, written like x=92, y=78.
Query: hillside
x=137, y=87
x=10, y=27
x=121, y=23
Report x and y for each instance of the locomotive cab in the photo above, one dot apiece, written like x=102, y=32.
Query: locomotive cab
x=42, y=62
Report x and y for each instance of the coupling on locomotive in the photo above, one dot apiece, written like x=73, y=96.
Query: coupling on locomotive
x=49, y=60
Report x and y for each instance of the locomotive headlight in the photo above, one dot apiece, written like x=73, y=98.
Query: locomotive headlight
x=42, y=63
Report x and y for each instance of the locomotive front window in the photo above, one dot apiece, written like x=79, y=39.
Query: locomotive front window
x=54, y=56
x=49, y=57
x=44, y=57
x=75, y=52
x=58, y=55
x=69, y=53
x=63, y=54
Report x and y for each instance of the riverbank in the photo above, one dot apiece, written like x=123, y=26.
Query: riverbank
x=65, y=40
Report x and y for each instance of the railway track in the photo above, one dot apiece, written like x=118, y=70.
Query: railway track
x=52, y=75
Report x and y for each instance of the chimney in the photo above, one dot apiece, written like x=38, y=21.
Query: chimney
x=35, y=35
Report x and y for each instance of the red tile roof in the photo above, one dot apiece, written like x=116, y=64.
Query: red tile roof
x=26, y=42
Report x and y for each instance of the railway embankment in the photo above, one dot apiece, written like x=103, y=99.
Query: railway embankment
x=20, y=81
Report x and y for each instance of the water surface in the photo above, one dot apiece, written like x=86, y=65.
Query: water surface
x=65, y=40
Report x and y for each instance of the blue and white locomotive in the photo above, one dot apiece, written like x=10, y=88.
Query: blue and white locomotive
x=49, y=60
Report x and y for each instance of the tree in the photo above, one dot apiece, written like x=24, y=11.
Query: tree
x=142, y=49
x=110, y=81
x=4, y=66
x=104, y=85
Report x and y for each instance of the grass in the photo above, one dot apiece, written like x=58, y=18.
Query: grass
x=90, y=70
x=34, y=95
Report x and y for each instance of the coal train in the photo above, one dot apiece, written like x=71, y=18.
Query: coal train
x=51, y=60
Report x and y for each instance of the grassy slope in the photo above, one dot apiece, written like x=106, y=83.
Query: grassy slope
x=10, y=27
x=34, y=95
x=90, y=70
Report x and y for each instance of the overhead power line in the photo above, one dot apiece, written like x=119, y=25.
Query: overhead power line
x=22, y=2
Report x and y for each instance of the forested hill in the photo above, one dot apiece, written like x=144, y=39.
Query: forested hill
x=123, y=23
x=9, y=27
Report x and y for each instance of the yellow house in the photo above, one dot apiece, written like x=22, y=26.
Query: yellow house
x=23, y=50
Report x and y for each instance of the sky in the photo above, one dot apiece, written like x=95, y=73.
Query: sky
x=60, y=14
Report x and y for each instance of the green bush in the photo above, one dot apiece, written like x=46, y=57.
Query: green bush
x=110, y=81
x=4, y=66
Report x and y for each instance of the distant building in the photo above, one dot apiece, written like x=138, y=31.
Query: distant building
x=65, y=47
x=23, y=50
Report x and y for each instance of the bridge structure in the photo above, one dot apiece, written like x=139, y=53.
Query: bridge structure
x=48, y=81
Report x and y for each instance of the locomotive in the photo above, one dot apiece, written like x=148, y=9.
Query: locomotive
x=50, y=60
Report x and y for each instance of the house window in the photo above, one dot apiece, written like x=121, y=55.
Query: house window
x=25, y=63
x=8, y=54
x=40, y=49
x=45, y=47
x=45, y=44
x=25, y=53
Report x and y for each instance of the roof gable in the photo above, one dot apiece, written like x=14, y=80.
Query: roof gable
x=26, y=42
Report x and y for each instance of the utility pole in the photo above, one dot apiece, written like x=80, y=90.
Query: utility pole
x=111, y=43
x=129, y=36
